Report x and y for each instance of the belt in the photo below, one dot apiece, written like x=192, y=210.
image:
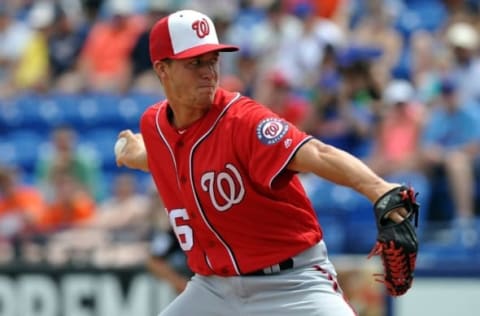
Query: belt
x=284, y=265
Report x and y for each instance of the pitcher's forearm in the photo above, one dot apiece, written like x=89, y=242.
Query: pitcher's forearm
x=339, y=167
x=347, y=170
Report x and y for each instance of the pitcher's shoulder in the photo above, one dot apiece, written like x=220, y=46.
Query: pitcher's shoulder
x=153, y=109
x=151, y=113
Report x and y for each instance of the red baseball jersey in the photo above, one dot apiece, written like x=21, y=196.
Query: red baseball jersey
x=234, y=206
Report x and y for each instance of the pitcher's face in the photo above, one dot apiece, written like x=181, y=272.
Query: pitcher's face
x=191, y=81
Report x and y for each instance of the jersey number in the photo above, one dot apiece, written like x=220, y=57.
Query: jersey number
x=184, y=232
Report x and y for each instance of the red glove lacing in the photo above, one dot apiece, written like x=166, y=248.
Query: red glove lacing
x=397, y=277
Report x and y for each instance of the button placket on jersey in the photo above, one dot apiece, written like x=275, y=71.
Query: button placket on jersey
x=182, y=174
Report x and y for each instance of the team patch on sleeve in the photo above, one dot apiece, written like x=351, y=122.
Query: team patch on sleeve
x=271, y=130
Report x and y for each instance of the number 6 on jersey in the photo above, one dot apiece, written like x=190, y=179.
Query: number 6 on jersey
x=184, y=232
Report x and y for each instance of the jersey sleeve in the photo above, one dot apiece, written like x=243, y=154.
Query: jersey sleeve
x=266, y=142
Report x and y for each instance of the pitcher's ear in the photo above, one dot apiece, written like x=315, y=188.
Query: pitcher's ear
x=159, y=67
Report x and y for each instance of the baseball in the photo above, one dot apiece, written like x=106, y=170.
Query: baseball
x=119, y=144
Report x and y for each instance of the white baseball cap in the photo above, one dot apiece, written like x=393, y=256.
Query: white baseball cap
x=398, y=91
x=41, y=15
x=184, y=34
x=121, y=7
x=464, y=35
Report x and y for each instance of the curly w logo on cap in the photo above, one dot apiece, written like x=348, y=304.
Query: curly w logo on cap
x=184, y=34
x=201, y=27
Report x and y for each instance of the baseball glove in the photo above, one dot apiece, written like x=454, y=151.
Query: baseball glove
x=397, y=243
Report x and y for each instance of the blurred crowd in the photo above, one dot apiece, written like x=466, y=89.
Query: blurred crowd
x=393, y=82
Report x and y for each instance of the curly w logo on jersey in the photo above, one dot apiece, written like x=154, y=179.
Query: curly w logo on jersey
x=225, y=188
x=271, y=130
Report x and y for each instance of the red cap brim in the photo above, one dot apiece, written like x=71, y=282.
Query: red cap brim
x=204, y=49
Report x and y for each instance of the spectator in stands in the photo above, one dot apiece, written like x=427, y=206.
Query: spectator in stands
x=359, y=97
x=21, y=206
x=14, y=39
x=64, y=45
x=143, y=79
x=64, y=152
x=268, y=37
x=70, y=206
x=463, y=40
x=104, y=60
x=232, y=83
x=428, y=63
x=124, y=214
x=32, y=72
x=330, y=126
x=451, y=141
x=398, y=133
x=465, y=10
x=277, y=93
x=248, y=72
x=116, y=233
x=376, y=29
x=301, y=57
x=91, y=10
x=323, y=8
x=217, y=8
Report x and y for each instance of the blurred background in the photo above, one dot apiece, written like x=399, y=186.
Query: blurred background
x=394, y=82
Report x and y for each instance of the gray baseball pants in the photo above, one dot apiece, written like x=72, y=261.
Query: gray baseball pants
x=310, y=288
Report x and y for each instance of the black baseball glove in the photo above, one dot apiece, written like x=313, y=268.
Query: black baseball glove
x=397, y=243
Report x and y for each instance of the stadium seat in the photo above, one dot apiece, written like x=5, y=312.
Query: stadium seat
x=101, y=141
x=10, y=115
x=360, y=235
x=421, y=15
x=328, y=198
x=108, y=113
x=334, y=233
x=130, y=111
x=145, y=100
x=87, y=113
x=50, y=114
x=20, y=111
x=21, y=148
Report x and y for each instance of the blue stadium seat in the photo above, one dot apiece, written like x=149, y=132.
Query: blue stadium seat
x=427, y=15
x=107, y=105
x=50, y=113
x=328, y=198
x=21, y=148
x=85, y=115
x=38, y=112
x=145, y=100
x=130, y=112
x=9, y=152
x=67, y=105
x=101, y=141
x=10, y=115
x=90, y=111
x=360, y=235
x=334, y=233
x=21, y=111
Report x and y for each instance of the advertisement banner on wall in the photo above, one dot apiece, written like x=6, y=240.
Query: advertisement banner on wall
x=81, y=292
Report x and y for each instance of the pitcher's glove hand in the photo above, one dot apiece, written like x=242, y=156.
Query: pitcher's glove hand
x=396, y=242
